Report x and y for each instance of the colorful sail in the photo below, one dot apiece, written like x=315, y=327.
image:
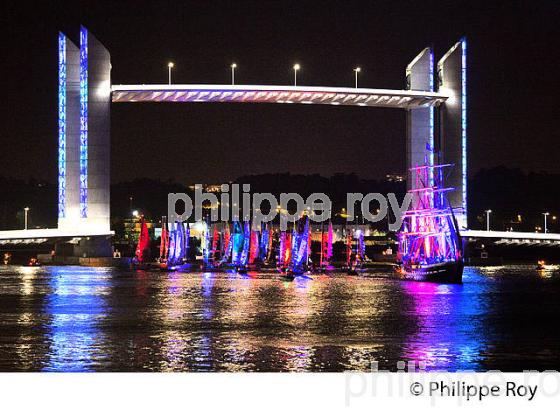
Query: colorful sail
x=206, y=245
x=254, y=247
x=143, y=247
x=348, y=247
x=187, y=230
x=301, y=246
x=180, y=244
x=287, y=257
x=329, y=242
x=237, y=243
x=164, y=242
x=264, y=243
x=244, y=259
x=326, y=247
x=176, y=244
x=227, y=246
x=281, y=248
x=172, y=244
x=224, y=244
x=270, y=239
x=360, y=246
x=215, y=240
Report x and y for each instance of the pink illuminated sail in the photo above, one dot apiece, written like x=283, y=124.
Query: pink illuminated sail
x=253, y=246
x=164, y=242
x=143, y=247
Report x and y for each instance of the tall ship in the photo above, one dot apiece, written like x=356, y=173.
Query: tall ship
x=430, y=246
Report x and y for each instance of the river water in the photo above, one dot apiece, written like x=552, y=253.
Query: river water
x=101, y=319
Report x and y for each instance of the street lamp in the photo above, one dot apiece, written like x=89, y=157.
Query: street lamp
x=233, y=67
x=135, y=214
x=356, y=71
x=488, y=212
x=170, y=65
x=296, y=69
x=26, y=209
x=545, y=216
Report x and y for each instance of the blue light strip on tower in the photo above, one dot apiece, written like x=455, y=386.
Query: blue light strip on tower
x=83, y=122
x=431, y=136
x=464, y=121
x=61, y=125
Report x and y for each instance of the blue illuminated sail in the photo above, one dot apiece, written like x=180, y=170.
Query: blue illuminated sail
x=187, y=240
x=263, y=248
x=237, y=243
x=300, y=246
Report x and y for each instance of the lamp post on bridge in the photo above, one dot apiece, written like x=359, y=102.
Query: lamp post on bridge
x=296, y=69
x=488, y=212
x=356, y=71
x=545, y=226
x=26, y=210
x=233, y=67
x=170, y=65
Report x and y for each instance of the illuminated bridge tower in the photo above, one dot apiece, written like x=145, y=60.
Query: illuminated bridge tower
x=420, y=121
x=84, y=99
x=452, y=80
x=439, y=135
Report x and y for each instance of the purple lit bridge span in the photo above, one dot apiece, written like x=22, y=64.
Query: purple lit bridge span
x=199, y=93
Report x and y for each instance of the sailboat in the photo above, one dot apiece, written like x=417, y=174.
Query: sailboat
x=164, y=242
x=142, y=253
x=243, y=261
x=430, y=246
x=237, y=244
x=216, y=248
x=227, y=247
x=300, y=251
x=174, y=257
x=358, y=255
x=236, y=247
x=326, y=248
x=253, y=247
x=284, y=251
x=264, y=244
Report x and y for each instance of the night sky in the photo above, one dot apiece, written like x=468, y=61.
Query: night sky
x=513, y=70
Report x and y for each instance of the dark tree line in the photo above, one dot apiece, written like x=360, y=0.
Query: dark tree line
x=509, y=193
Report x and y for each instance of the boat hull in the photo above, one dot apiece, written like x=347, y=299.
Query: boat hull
x=441, y=273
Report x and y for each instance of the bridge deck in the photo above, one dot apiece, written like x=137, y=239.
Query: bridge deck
x=31, y=235
x=511, y=235
x=367, y=97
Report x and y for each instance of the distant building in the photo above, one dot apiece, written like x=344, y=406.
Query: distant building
x=394, y=178
x=215, y=188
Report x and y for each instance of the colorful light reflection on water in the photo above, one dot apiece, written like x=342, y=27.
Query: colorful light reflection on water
x=88, y=319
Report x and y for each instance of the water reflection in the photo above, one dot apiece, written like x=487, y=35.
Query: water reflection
x=73, y=309
x=450, y=332
x=84, y=319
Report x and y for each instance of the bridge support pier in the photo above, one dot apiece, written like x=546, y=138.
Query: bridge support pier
x=84, y=135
